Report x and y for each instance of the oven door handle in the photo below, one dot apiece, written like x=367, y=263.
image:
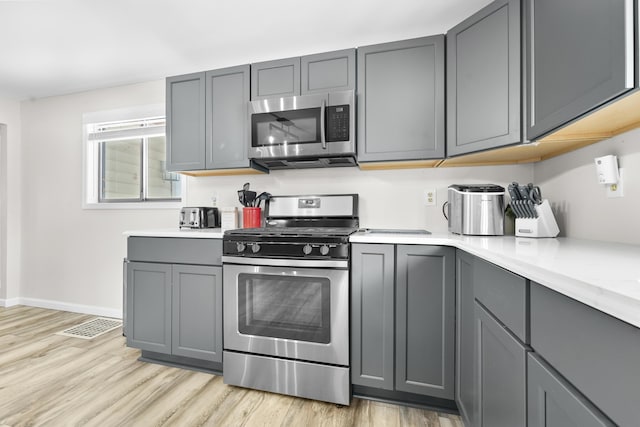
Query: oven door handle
x=279, y=262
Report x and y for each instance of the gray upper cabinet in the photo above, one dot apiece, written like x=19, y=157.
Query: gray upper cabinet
x=275, y=78
x=185, y=100
x=327, y=72
x=484, y=80
x=425, y=320
x=227, y=118
x=580, y=54
x=466, y=385
x=553, y=402
x=372, y=312
x=401, y=88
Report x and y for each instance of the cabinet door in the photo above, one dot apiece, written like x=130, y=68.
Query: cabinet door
x=197, y=312
x=483, y=80
x=149, y=306
x=552, y=402
x=500, y=370
x=466, y=387
x=425, y=320
x=328, y=72
x=185, y=122
x=401, y=100
x=227, y=99
x=275, y=78
x=579, y=55
x=372, y=334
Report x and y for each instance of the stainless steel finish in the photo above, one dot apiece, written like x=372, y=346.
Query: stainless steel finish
x=319, y=149
x=276, y=262
x=308, y=380
x=336, y=352
x=322, y=206
x=476, y=213
x=198, y=217
x=323, y=136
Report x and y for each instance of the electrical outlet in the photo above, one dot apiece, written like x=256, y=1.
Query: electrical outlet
x=616, y=190
x=214, y=200
x=430, y=197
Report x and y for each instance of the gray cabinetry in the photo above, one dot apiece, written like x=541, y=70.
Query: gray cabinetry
x=425, y=320
x=403, y=305
x=466, y=385
x=501, y=374
x=227, y=118
x=484, y=80
x=327, y=72
x=174, y=309
x=580, y=54
x=372, y=315
x=185, y=99
x=552, y=402
x=596, y=353
x=401, y=100
x=275, y=78
x=149, y=306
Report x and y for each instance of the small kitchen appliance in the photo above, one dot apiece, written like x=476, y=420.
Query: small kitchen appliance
x=476, y=209
x=199, y=217
x=286, y=298
x=307, y=131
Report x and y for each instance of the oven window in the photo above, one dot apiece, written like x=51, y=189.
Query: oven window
x=285, y=127
x=289, y=307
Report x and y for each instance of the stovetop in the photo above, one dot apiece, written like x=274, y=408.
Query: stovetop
x=276, y=232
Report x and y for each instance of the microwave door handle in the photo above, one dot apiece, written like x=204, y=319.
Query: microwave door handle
x=322, y=125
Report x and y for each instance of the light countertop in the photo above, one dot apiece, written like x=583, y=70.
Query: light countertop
x=603, y=275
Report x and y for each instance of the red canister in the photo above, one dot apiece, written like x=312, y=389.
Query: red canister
x=251, y=217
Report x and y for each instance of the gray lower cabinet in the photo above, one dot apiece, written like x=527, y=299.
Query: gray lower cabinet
x=227, y=118
x=208, y=120
x=580, y=54
x=175, y=309
x=185, y=122
x=484, y=80
x=500, y=367
x=401, y=106
x=403, y=322
x=466, y=385
x=553, y=402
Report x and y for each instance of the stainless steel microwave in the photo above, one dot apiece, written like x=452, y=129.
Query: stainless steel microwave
x=307, y=131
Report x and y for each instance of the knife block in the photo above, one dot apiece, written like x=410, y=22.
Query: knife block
x=544, y=225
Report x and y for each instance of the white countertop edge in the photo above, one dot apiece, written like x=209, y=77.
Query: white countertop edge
x=621, y=304
x=203, y=233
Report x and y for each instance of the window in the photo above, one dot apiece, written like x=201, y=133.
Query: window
x=125, y=162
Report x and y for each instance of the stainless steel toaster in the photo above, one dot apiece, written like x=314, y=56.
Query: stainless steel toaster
x=199, y=217
x=476, y=209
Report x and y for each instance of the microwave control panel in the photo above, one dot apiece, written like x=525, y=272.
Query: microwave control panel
x=337, y=123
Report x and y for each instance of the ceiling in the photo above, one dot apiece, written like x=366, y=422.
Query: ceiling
x=55, y=47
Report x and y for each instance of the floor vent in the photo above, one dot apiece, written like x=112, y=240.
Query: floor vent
x=92, y=328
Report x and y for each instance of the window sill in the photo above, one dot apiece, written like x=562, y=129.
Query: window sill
x=132, y=205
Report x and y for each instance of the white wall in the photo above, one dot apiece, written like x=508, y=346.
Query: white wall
x=582, y=208
x=10, y=201
x=72, y=258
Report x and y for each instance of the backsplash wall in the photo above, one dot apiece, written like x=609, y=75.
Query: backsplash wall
x=388, y=199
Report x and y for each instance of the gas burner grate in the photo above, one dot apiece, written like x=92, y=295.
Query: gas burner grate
x=92, y=328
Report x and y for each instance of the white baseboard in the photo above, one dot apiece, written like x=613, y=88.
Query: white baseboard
x=63, y=306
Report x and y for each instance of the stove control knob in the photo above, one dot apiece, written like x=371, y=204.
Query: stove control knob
x=240, y=247
x=255, y=248
x=307, y=249
x=324, y=250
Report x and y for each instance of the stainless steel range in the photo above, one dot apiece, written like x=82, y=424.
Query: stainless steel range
x=286, y=298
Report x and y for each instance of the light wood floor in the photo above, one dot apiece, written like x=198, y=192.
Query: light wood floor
x=52, y=380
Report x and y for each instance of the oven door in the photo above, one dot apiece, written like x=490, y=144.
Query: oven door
x=296, y=312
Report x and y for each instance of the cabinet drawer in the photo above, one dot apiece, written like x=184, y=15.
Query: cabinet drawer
x=175, y=250
x=595, y=352
x=505, y=295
